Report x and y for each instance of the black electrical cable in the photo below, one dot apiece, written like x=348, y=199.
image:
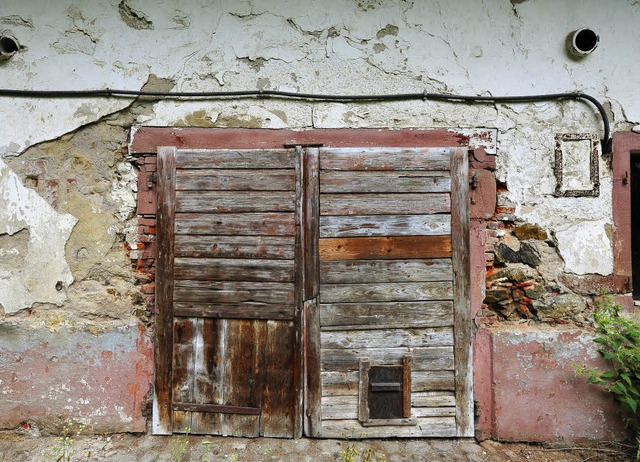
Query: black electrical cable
x=426, y=96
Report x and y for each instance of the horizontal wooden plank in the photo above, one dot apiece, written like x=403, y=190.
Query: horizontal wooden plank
x=363, y=271
x=247, y=310
x=147, y=139
x=269, y=224
x=339, y=407
x=424, y=359
x=433, y=381
x=280, y=293
x=233, y=269
x=444, y=411
x=384, y=204
x=434, y=427
x=386, y=315
x=230, y=158
x=280, y=247
x=386, y=292
x=235, y=180
x=234, y=201
x=433, y=398
x=384, y=182
x=196, y=407
x=385, y=158
x=356, y=248
x=385, y=225
x=387, y=338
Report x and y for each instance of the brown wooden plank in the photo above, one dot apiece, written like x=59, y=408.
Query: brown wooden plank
x=428, y=358
x=386, y=338
x=281, y=247
x=433, y=381
x=406, y=386
x=279, y=394
x=243, y=381
x=345, y=407
x=247, y=310
x=312, y=368
x=280, y=293
x=363, y=271
x=424, y=358
x=233, y=158
x=374, y=158
x=194, y=407
x=162, y=418
x=433, y=399
x=384, y=204
x=147, y=139
x=362, y=405
x=462, y=291
x=310, y=217
x=270, y=224
x=184, y=344
x=384, y=182
x=379, y=315
x=425, y=427
x=384, y=225
x=235, y=180
x=298, y=369
x=234, y=201
x=385, y=247
x=386, y=292
x=207, y=389
x=230, y=269
x=336, y=383
x=448, y=411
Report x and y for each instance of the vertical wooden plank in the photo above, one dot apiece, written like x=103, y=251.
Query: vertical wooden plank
x=363, y=390
x=313, y=402
x=311, y=214
x=298, y=366
x=406, y=386
x=162, y=401
x=279, y=395
x=244, y=358
x=461, y=291
x=207, y=376
x=184, y=346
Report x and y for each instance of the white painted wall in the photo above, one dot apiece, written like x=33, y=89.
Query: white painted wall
x=492, y=47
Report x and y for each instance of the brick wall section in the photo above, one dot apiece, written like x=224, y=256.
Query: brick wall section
x=143, y=256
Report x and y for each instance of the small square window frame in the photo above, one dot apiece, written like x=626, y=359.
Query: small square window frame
x=594, y=169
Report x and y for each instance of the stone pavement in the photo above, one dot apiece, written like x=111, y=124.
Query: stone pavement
x=16, y=447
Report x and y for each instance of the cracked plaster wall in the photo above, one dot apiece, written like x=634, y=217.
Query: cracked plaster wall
x=372, y=46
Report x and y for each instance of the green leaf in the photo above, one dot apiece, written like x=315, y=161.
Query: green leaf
x=626, y=378
x=632, y=404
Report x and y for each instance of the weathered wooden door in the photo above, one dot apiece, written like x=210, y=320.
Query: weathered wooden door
x=227, y=293
x=311, y=287
x=392, y=320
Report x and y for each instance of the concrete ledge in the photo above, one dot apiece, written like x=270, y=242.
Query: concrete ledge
x=99, y=379
x=527, y=390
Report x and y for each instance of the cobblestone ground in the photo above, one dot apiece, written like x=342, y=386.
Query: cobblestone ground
x=19, y=447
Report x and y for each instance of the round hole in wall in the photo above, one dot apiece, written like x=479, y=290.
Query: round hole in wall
x=586, y=40
x=8, y=45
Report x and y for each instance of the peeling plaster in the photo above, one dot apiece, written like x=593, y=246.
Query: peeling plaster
x=44, y=266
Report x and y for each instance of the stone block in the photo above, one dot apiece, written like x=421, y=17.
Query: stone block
x=536, y=394
x=87, y=374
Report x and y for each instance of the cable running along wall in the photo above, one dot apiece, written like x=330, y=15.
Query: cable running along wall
x=426, y=96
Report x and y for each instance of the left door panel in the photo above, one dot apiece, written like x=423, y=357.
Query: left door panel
x=226, y=293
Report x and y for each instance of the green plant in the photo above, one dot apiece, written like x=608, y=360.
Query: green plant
x=62, y=450
x=207, y=451
x=352, y=454
x=619, y=338
x=179, y=445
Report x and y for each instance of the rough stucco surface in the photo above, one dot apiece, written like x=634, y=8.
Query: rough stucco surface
x=68, y=189
x=95, y=375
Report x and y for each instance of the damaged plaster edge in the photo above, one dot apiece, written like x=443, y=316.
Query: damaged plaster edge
x=486, y=138
x=45, y=271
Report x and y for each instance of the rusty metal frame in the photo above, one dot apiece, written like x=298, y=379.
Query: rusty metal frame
x=594, y=170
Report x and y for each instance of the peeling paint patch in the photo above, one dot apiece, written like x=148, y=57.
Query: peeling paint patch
x=44, y=271
x=133, y=18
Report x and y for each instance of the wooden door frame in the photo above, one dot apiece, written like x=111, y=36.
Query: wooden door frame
x=147, y=140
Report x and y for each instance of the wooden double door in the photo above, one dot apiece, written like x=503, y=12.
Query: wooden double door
x=271, y=260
